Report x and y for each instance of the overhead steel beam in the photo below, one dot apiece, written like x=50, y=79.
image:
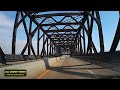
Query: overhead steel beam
x=49, y=31
x=57, y=35
x=36, y=22
x=58, y=14
x=61, y=45
x=61, y=23
x=62, y=33
x=64, y=43
x=63, y=37
x=64, y=40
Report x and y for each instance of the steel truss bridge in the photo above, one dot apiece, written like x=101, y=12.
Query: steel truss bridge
x=64, y=36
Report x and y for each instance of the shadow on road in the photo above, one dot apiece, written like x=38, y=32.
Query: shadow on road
x=45, y=59
x=112, y=64
x=111, y=77
x=77, y=65
x=71, y=70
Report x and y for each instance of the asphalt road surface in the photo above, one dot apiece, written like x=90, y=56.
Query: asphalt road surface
x=72, y=68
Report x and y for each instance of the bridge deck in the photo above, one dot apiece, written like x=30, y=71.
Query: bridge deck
x=72, y=68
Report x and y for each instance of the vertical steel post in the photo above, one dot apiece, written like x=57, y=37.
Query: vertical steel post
x=84, y=42
x=90, y=26
x=43, y=45
x=50, y=48
x=15, y=32
x=78, y=43
x=81, y=51
x=100, y=32
x=47, y=46
x=30, y=39
x=116, y=37
x=38, y=42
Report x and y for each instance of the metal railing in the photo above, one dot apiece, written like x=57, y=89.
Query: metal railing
x=13, y=57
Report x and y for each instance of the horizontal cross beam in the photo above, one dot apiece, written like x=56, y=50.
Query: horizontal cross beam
x=57, y=35
x=64, y=40
x=58, y=14
x=61, y=23
x=49, y=31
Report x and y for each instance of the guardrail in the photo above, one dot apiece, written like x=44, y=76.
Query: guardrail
x=13, y=57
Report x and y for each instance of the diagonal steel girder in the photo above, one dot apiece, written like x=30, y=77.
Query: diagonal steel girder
x=39, y=25
x=116, y=37
x=32, y=18
x=46, y=31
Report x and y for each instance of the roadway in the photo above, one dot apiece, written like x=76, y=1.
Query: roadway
x=73, y=68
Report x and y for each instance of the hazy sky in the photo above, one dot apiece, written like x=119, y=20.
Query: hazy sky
x=109, y=21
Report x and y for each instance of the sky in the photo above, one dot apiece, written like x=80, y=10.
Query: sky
x=109, y=21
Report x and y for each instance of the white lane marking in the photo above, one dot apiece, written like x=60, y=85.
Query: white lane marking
x=92, y=73
x=76, y=60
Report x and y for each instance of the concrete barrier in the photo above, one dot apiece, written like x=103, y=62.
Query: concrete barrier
x=33, y=68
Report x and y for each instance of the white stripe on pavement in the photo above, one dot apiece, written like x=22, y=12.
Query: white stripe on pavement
x=91, y=72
